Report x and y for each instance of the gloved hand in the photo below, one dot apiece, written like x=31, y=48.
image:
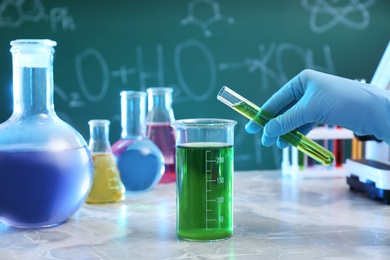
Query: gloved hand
x=313, y=97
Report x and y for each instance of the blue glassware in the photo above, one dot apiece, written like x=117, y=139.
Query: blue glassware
x=139, y=160
x=46, y=167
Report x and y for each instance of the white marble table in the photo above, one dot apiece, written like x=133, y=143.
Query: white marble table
x=274, y=218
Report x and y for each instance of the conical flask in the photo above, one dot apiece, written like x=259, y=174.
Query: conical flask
x=139, y=160
x=46, y=166
x=158, y=121
x=107, y=186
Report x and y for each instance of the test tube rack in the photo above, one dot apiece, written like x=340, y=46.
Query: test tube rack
x=293, y=170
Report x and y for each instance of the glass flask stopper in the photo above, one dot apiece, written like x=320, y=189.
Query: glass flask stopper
x=158, y=121
x=46, y=166
x=139, y=160
x=107, y=186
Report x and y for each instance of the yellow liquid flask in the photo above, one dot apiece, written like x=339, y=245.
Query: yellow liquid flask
x=107, y=186
x=261, y=117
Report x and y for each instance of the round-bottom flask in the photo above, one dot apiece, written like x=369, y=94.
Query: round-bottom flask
x=45, y=165
x=107, y=186
x=139, y=160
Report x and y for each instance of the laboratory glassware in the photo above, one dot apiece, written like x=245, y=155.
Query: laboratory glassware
x=107, y=186
x=204, y=183
x=160, y=115
x=139, y=160
x=46, y=166
x=261, y=117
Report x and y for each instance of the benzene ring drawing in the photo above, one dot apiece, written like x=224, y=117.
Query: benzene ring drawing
x=196, y=5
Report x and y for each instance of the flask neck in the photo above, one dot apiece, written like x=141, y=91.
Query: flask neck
x=133, y=114
x=162, y=101
x=33, y=87
x=99, y=132
x=159, y=98
x=160, y=105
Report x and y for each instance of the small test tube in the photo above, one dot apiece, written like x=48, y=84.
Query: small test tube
x=261, y=117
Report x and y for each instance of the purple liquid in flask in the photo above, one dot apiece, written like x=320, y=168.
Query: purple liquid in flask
x=46, y=168
x=40, y=188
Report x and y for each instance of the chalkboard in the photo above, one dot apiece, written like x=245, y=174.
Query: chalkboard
x=195, y=47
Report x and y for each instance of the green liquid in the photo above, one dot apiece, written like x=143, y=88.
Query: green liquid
x=295, y=138
x=204, y=191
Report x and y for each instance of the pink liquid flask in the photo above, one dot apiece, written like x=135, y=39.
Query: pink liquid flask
x=163, y=136
x=158, y=128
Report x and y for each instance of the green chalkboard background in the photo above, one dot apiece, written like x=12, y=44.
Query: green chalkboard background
x=195, y=47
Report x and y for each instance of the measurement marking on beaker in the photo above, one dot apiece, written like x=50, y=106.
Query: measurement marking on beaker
x=208, y=187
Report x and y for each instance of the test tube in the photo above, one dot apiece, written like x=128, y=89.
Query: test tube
x=261, y=117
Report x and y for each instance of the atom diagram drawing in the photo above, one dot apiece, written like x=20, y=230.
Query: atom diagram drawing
x=326, y=14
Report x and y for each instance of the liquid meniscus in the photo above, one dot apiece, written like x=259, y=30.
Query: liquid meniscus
x=295, y=138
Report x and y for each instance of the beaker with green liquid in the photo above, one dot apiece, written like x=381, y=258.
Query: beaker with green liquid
x=204, y=178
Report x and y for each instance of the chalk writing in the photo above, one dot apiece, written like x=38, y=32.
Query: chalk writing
x=91, y=56
x=326, y=14
x=276, y=52
x=204, y=22
x=13, y=13
x=62, y=94
x=60, y=18
x=158, y=75
x=184, y=91
x=73, y=99
x=123, y=73
x=209, y=63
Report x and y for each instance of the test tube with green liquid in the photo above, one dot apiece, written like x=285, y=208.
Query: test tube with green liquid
x=261, y=117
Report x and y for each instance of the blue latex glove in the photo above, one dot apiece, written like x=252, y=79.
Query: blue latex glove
x=313, y=97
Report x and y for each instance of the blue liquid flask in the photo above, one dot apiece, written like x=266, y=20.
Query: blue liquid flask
x=46, y=166
x=139, y=160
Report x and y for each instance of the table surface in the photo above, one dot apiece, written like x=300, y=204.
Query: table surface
x=274, y=218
